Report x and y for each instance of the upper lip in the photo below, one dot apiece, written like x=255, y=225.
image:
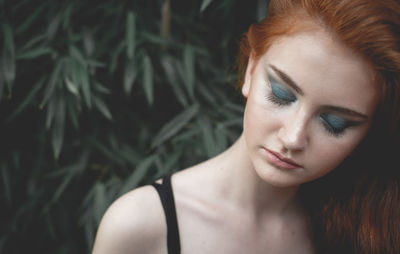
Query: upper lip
x=283, y=158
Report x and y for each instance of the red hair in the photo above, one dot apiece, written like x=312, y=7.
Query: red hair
x=357, y=208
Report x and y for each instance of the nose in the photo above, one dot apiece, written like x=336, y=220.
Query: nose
x=293, y=132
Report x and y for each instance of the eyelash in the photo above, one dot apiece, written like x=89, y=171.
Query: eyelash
x=336, y=132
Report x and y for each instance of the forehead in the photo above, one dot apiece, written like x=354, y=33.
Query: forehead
x=324, y=67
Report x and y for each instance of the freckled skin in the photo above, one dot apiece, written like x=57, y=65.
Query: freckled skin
x=238, y=202
x=328, y=74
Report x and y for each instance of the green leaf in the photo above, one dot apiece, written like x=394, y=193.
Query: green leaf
x=129, y=75
x=77, y=55
x=6, y=183
x=8, y=65
x=137, y=175
x=114, y=57
x=206, y=94
x=35, y=53
x=1, y=84
x=205, y=4
x=175, y=125
x=100, y=201
x=189, y=61
x=31, y=43
x=62, y=187
x=29, y=98
x=67, y=15
x=130, y=34
x=58, y=129
x=8, y=37
x=51, y=111
x=80, y=75
x=148, y=80
x=73, y=111
x=53, y=26
x=209, y=143
x=73, y=88
x=102, y=107
x=28, y=21
x=88, y=43
x=170, y=71
x=101, y=89
x=54, y=79
x=262, y=9
x=111, y=155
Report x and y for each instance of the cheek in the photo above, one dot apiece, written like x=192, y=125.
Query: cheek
x=260, y=119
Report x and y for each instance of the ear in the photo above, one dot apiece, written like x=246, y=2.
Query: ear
x=248, y=75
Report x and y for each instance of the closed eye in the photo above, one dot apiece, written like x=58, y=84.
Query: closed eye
x=336, y=125
x=279, y=94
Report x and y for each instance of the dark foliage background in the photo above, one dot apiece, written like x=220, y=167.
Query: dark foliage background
x=97, y=98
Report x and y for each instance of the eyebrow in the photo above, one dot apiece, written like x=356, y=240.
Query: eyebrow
x=289, y=81
x=346, y=111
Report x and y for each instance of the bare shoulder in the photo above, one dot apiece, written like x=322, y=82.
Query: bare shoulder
x=134, y=223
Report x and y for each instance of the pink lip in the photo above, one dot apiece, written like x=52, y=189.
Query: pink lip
x=280, y=161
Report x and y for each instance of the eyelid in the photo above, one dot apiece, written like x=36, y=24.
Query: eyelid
x=281, y=90
x=271, y=77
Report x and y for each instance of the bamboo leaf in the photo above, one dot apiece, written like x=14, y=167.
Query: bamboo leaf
x=130, y=35
x=221, y=138
x=67, y=15
x=129, y=75
x=58, y=129
x=100, y=201
x=8, y=37
x=171, y=74
x=61, y=188
x=262, y=9
x=209, y=143
x=53, y=26
x=73, y=111
x=1, y=84
x=6, y=183
x=175, y=125
x=54, y=79
x=80, y=75
x=73, y=88
x=205, y=4
x=206, y=94
x=35, y=53
x=28, y=21
x=148, y=80
x=189, y=61
x=32, y=42
x=111, y=155
x=88, y=43
x=8, y=65
x=51, y=111
x=102, y=107
x=29, y=98
x=137, y=175
x=114, y=57
x=101, y=89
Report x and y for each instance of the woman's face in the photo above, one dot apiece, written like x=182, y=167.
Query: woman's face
x=310, y=101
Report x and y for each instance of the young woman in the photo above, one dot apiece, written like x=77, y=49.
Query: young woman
x=312, y=171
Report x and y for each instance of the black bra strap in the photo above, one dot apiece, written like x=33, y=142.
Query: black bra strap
x=167, y=200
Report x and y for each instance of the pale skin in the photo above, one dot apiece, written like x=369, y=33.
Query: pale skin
x=240, y=201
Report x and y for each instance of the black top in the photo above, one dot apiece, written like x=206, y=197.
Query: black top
x=167, y=200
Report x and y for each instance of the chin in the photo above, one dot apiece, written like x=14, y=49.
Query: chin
x=279, y=179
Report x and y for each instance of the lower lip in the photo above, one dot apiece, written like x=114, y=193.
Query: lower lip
x=273, y=159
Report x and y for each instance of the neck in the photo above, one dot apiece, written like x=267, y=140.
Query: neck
x=244, y=188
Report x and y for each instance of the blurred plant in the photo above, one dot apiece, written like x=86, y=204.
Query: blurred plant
x=99, y=98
